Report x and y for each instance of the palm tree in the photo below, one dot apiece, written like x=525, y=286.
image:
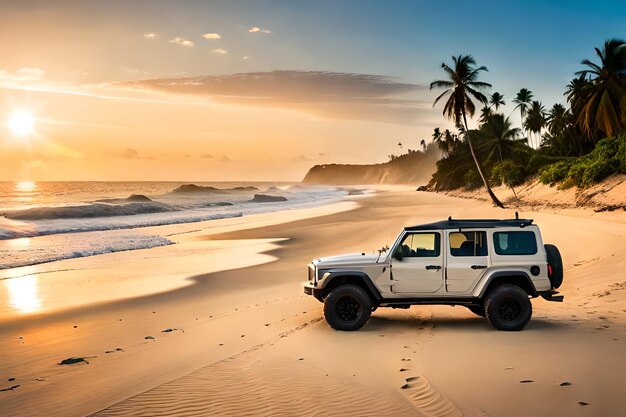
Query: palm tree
x=499, y=131
x=604, y=108
x=575, y=92
x=535, y=120
x=496, y=100
x=485, y=114
x=423, y=143
x=523, y=99
x=558, y=118
x=461, y=86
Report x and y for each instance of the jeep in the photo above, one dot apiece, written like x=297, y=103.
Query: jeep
x=492, y=267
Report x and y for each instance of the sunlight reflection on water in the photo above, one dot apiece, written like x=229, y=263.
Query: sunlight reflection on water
x=22, y=293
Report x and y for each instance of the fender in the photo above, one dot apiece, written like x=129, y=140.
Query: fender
x=328, y=277
x=503, y=274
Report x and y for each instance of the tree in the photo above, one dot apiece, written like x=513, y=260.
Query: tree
x=604, y=105
x=461, y=87
x=496, y=100
x=498, y=131
x=523, y=100
x=423, y=143
x=535, y=120
x=485, y=113
x=558, y=119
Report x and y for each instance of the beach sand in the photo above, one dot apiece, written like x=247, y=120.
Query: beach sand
x=247, y=341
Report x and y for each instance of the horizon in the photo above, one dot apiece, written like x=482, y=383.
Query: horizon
x=229, y=91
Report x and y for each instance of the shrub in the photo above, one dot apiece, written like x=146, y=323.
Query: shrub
x=608, y=157
x=554, y=173
x=507, y=173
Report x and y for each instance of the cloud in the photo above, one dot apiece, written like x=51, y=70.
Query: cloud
x=182, y=42
x=150, y=35
x=225, y=158
x=245, y=57
x=219, y=51
x=22, y=74
x=212, y=35
x=257, y=29
x=206, y=156
x=333, y=95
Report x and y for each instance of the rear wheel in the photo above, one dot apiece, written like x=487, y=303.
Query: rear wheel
x=478, y=310
x=508, y=307
x=555, y=270
x=347, y=307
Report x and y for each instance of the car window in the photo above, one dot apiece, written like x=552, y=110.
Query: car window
x=515, y=243
x=468, y=243
x=421, y=245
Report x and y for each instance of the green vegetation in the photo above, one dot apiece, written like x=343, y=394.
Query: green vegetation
x=607, y=158
x=574, y=145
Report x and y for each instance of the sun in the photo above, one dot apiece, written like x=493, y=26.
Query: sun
x=21, y=122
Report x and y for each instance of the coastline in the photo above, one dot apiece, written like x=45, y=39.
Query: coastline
x=254, y=323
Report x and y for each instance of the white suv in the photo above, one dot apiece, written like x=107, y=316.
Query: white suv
x=492, y=267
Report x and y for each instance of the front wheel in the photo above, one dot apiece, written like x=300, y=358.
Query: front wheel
x=508, y=307
x=347, y=307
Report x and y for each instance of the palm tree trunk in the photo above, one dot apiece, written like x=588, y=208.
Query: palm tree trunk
x=502, y=167
x=480, y=170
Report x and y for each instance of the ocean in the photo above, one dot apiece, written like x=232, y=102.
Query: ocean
x=92, y=218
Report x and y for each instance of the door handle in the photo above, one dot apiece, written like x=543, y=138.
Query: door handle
x=479, y=266
x=436, y=267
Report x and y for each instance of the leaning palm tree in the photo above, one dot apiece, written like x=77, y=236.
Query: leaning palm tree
x=496, y=100
x=462, y=86
x=604, y=108
x=498, y=131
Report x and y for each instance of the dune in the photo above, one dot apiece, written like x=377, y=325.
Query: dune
x=251, y=343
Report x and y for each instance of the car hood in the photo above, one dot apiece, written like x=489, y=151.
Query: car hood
x=347, y=259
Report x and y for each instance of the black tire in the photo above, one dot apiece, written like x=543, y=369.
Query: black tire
x=508, y=307
x=478, y=310
x=347, y=307
x=556, y=264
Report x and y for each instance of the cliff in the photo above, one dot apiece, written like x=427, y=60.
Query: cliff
x=415, y=167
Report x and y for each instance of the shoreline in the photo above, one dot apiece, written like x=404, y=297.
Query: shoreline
x=225, y=256
x=255, y=324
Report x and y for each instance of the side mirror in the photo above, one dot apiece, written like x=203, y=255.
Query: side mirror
x=398, y=255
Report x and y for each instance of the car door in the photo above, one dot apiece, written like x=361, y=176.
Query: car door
x=417, y=263
x=467, y=259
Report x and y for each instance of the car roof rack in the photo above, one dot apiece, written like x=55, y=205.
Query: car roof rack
x=471, y=223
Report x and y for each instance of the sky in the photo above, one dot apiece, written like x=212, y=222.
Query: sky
x=260, y=90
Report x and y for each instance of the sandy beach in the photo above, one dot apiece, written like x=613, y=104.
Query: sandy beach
x=218, y=324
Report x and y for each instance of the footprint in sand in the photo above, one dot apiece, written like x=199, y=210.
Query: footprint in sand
x=526, y=381
x=565, y=384
x=583, y=403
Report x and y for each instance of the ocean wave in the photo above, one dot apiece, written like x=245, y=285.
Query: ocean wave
x=12, y=229
x=88, y=210
x=68, y=248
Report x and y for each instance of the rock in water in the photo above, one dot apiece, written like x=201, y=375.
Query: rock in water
x=264, y=198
